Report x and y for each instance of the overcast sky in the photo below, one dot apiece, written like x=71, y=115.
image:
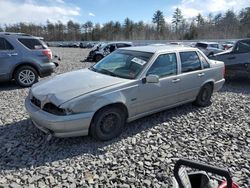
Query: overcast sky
x=101, y=11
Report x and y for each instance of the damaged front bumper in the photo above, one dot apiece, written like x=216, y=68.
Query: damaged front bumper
x=59, y=126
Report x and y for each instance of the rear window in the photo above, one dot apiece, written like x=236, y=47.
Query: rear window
x=33, y=44
x=201, y=45
x=5, y=45
x=214, y=45
x=189, y=62
x=203, y=61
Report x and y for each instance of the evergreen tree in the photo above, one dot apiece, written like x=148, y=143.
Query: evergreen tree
x=177, y=19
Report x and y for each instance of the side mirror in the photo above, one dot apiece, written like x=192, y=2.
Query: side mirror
x=152, y=78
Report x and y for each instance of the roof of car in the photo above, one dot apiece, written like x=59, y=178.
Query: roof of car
x=208, y=42
x=116, y=42
x=20, y=35
x=161, y=48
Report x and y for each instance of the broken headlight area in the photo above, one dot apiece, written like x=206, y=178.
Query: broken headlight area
x=50, y=108
x=36, y=102
x=53, y=109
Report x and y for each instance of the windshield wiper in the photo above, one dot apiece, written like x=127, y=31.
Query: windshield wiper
x=93, y=69
x=105, y=71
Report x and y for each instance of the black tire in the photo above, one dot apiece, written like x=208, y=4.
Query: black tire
x=98, y=57
x=32, y=76
x=108, y=123
x=204, y=97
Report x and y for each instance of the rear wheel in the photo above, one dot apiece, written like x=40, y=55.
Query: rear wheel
x=204, y=97
x=108, y=123
x=26, y=76
x=98, y=58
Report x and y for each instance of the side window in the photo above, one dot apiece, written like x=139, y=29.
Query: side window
x=189, y=62
x=164, y=65
x=243, y=47
x=5, y=45
x=33, y=44
x=106, y=47
x=122, y=45
x=203, y=61
x=214, y=45
x=8, y=46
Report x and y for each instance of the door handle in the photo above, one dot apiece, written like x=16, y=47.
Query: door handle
x=13, y=54
x=176, y=80
x=201, y=74
x=233, y=57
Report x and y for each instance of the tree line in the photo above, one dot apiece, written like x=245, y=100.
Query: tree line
x=218, y=26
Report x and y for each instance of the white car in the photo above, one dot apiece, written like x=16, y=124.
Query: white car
x=128, y=84
x=209, y=48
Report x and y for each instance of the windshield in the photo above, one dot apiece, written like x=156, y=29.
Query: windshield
x=123, y=63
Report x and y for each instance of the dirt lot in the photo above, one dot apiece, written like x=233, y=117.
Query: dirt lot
x=144, y=155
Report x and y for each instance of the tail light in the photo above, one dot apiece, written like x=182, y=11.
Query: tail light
x=224, y=185
x=48, y=53
x=224, y=71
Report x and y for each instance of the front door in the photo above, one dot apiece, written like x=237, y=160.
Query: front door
x=157, y=96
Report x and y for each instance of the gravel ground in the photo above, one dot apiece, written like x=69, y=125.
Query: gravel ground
x=143, y=156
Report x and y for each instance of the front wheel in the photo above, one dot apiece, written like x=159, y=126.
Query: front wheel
x=26, y=76
x=204, y=97
x=108, y=123
x=98, y=58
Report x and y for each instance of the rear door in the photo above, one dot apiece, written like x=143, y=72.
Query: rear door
x=192, y=75
x=8, y=58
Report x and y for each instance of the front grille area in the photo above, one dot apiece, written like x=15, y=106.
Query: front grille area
x=36, y=102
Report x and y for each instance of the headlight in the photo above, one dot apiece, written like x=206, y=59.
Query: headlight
x=68, y=111
x=53, y=109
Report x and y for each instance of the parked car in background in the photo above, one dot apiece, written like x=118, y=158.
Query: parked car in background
x=87, y=45
x=63, y=44
x=236, y=59
x=24, y=58
x=73, y=45
x=176, y=43
x=209, y=48
x=157, y=44
x=128, y=84
x=102, y=49
x=228, y=44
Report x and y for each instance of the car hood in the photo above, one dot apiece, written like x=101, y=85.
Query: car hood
x=223, y=52
x=67, y=86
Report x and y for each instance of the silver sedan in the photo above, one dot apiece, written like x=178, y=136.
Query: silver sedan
x=126, y=85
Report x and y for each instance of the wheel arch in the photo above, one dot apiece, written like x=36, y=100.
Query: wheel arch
x=98, y=54
x=120, y=105
x=24, y=64
x=210, y=82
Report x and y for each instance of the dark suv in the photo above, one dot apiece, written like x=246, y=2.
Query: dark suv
x=24, y=58
x=236, y=59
